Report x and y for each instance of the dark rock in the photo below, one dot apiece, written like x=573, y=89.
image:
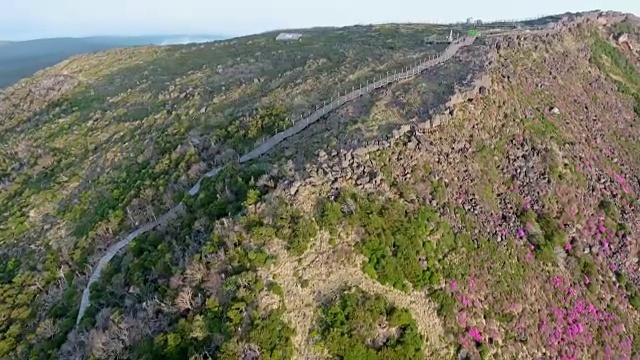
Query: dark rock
x=463, y=355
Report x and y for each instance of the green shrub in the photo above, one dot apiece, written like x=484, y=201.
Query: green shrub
x=446, y=303
x=636, y=340
x=296, y=229
x=217, y=326
x=348, y=328
x=609, y=209
x=275, y=288
x=273, y=336
x=397, y=241
x=545, y=233
x=617, y=67
x=330, y=216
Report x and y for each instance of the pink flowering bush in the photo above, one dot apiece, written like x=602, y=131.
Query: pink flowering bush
x=475, y=334
x=574, y=324
x=499, y=297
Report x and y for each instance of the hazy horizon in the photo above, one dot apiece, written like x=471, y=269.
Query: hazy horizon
x=175, y=38
x=37, y=19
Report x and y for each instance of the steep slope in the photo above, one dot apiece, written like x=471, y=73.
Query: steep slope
x=486, y=208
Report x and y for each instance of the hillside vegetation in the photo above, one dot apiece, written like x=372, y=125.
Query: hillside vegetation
x=510, y=230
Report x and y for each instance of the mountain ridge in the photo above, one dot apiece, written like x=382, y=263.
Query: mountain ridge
x=509, y=231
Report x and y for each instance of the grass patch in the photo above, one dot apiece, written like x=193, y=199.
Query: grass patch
x=616, y=65
x=543, y=129
x=486, y=158
x=626, y=27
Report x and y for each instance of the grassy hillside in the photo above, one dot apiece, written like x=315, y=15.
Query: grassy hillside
x=508, y=231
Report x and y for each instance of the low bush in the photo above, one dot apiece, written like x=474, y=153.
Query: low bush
x=361, y=326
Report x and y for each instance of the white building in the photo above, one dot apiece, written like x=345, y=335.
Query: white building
x=288, y=37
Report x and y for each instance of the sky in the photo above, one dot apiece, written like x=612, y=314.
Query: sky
x=28, y=19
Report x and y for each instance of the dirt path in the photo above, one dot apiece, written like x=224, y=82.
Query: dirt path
x=328, y=270
x=449, y=52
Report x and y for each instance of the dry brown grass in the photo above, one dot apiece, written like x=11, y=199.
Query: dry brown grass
x=328, y=270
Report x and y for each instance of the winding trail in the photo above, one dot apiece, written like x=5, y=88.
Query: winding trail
x=263, y=148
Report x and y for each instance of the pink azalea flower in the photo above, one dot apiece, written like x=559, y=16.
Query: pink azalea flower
x=521, y=233
x=453, y=284
x=567, y=246
x=528, y=257
x=462, y=319
x=475, y=334
x=602, y=228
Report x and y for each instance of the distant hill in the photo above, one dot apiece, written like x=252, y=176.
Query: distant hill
x=21, y=59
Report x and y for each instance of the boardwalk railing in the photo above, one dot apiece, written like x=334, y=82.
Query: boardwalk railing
x=261, y=149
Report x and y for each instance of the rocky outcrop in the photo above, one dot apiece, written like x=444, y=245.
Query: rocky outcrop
x=621, y=38
x=30, y=94
x=477, y=86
